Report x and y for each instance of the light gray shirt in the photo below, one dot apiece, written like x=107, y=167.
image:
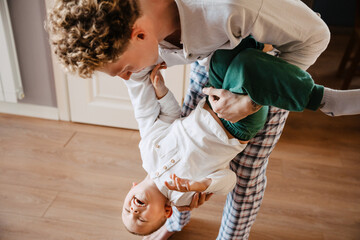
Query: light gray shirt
x=208, y=25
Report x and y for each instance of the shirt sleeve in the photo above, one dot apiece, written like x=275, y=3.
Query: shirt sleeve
x=294, y=29
x=222, y=182
x=145, y=103
x=169, y=108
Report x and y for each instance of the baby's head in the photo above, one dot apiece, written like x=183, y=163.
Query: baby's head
x=145, y=208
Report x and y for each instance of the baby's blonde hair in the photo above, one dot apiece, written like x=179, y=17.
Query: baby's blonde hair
x=86, y=34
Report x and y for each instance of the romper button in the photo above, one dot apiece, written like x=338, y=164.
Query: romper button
x=157, y=174
x=172, y=161
x=157, y=146
x=165, y=167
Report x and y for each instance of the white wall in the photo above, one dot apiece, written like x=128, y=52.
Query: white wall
x=33, y=51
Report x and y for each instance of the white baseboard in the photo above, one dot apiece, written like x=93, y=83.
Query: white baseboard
x=30, y=110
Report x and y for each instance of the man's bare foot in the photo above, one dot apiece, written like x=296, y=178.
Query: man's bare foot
x=161, y=234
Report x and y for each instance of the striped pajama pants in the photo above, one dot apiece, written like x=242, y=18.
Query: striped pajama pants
x=243, y=203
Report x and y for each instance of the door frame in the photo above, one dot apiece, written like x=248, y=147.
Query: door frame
x=60, y=78
x=10, y=84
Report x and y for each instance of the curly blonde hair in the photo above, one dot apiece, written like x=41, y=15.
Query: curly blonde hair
x=86, y=34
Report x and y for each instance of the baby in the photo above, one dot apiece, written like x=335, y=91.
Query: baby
x=187, y=155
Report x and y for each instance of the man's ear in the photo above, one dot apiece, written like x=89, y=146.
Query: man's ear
x=168, y=211
x=138, y=33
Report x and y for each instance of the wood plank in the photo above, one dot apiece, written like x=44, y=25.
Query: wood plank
x=269, y=228
x=67, y=180
x=15, y=227
x=24, y=200
x=110, y=155
x=97, y=211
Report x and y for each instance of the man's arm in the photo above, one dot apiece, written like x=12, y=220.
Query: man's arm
x=199, y=198
x=297, y=31
x=290, y=26
x=229, y=106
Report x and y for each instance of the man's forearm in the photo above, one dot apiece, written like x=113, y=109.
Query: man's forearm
x=297, y=31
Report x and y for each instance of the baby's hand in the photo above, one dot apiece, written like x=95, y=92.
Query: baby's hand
x=178, y=184
x=158, y=82
x=186, y=185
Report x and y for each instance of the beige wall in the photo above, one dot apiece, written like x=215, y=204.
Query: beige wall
x=27, y=17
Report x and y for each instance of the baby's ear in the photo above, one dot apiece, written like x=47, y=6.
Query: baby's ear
x=168, y=211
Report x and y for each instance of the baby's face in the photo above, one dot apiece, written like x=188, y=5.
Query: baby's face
x=143, y=210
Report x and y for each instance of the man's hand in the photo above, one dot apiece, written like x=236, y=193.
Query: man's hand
x=230, y=106
x=186, y=185
x=198, y=199
x=158, y=82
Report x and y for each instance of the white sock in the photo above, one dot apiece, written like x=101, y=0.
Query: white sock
x=340, y=102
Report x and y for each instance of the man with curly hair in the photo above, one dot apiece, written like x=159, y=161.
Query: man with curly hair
x=127, y=38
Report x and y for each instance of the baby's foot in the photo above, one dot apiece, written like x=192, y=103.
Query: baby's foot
x=161, y=234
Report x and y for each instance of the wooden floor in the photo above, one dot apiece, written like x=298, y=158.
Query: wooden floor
x=61, y=180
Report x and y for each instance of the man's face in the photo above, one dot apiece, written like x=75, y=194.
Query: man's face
x=141, y=53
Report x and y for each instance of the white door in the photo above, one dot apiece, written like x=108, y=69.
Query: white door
x=104, y=100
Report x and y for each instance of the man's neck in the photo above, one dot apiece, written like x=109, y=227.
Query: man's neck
x=165, y=17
